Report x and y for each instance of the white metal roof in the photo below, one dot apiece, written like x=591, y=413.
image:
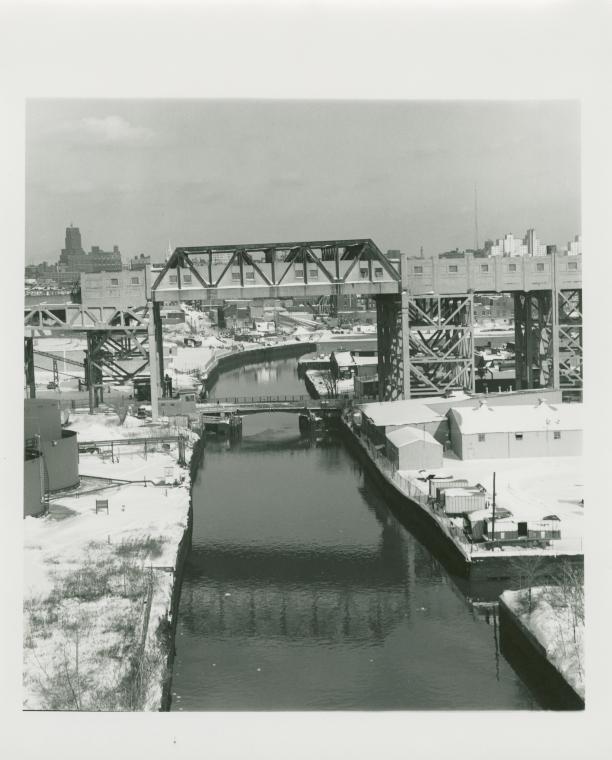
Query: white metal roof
x=518, y=419
x=406, y=435
x=408, y=412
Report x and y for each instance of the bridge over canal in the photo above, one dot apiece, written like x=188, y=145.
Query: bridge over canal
x=425, y=317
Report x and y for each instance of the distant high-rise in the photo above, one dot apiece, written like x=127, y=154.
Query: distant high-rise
x=74, y=259
x=73, y=240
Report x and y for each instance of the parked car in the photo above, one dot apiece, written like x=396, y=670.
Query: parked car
x=52, y=386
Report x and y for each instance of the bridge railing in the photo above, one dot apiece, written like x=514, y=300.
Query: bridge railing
x=277, y=399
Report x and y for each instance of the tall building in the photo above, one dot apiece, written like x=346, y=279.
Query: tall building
x=515, y=246
x=74, y=259
x=534, y=246
x=73, y=240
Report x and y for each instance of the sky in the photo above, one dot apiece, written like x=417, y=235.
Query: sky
x=141, y=174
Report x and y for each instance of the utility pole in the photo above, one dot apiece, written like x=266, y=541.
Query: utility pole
x=476, y=236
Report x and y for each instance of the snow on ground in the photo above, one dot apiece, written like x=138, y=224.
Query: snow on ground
x=529, y=488
x=554, y=625
x=88, y=577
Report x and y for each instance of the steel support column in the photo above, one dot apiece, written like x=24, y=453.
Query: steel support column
x=534, y=320
x=154, y=365
x=390, y=348
x=159, y=341
x=30, y=379
x=570, y=338
x=425, y=345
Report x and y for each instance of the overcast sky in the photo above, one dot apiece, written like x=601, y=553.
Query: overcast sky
x=139, y=174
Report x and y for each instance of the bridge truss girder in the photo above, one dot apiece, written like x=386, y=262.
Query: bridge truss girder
x=324, y=268
x=429, y=336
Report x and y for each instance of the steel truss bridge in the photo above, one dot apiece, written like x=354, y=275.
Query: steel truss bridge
x=424, y=307
x=425, y=316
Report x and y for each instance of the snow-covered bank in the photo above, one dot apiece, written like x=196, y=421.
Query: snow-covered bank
x=556, y=619
x=99, y=586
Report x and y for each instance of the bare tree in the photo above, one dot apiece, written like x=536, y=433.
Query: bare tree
x=330, y=381
x=528, y=568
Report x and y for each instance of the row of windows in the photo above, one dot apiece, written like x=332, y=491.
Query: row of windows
x=454, y=268
x=133, y=281
x=519, y=436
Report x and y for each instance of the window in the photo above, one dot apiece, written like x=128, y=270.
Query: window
x=512, y=267
x=573, y=265
x=114, y=281
x=235, y=274
x=378, y=272
x=249, y=274
x=299, y=272
x=484, y=267
x=539, y=267
x=518, y=436
x=418, y=270
x=363, y=273
x=481, y=437
x=172, y=278
x=453, y=268
x=313, y=274
x=135, y=280
x=186, y=278
x=557, y=435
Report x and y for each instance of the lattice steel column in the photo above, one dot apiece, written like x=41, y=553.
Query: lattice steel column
x=440, y=347
x=570, y=338
x=533, y=337
x=390, y=348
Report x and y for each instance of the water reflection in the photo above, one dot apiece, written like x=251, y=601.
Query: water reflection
x=304, y=590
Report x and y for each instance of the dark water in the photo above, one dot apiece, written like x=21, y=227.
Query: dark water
x=303, y=591
x=265, y=379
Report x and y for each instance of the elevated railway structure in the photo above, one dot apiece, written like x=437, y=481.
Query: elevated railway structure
x=112, y=335
x=425, y=315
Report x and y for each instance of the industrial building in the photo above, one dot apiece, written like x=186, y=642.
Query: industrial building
x=537, y=430
x=51, y=454
x=381, y=418
x=410, y=448
x=124, y=289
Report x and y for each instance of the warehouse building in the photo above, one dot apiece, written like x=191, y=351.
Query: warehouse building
x=381, y=418
x=410, y=448
x=495, y=432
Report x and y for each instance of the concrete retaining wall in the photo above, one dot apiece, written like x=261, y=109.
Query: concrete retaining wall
x=528, y=658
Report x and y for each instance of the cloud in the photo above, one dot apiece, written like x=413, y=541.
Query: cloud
x=109, y=130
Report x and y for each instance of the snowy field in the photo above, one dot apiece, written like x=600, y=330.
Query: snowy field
x=98, y=586
x=557, y=621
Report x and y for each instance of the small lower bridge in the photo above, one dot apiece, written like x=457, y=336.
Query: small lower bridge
x=258, y=404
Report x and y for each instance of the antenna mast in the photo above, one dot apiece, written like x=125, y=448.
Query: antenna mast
x=475, y=216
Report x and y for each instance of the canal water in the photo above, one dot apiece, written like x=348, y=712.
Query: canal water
x=304, y=592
